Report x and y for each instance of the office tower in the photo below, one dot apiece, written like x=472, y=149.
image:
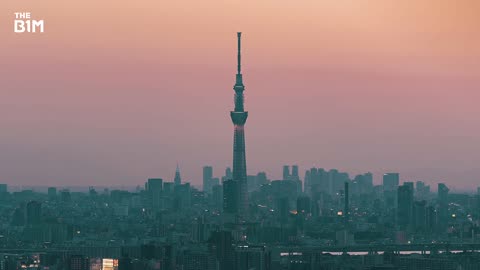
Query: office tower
x=410, y=185
x=239, y=118
x=364, y=182
x=182, y=196
x=178, y=179
x=293, y=176
x=478, y=201
x=368, y=177
x=391, y=181
x=228, y=173
x=420, y=216
x=207, y=179
x=154, y=191
x=346, y=209
x=419, y=185
x=442, y=202
x=34, y=212
x=405, y=206
x=168, y=187
x=251, y=183
x=286, y=172
x=443, y=194
x=3, y=188
x=421, y=190
x=261, y=179
x=295, y=172
x=390, y=186
x=321, y=181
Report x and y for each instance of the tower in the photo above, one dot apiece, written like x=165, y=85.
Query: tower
x=207, y=179
x=286, y=172
x=405, y=206
x=239, y=117
x=346, y=209
x=177, y=180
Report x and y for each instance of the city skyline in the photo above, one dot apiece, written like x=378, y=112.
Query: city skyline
x=374, y=87
x=361, y=150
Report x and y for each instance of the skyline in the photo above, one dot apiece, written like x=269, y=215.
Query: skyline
x=346, y=85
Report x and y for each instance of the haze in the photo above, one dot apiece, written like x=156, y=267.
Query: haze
x=115, y=92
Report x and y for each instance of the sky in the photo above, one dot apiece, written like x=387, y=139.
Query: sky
x=115, y=92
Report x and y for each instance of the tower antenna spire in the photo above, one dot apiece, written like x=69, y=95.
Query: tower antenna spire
x=239, y=66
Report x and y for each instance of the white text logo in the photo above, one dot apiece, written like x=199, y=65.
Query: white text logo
x=24, y=24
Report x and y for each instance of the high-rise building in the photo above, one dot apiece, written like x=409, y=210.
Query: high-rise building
x=251, y=182
x=286, y=172
x=390, y=186
x=420, y=216
x=182, y=196
x=261, y=179
x=391, y=181
x=228, y=173
x=239, y=118
x=410, y=185
x=154, y=189
x=207, y=179
x=478, y=201
x=422, y=191
x=293, y=175
x=364, y=182
x=178, y=179
x=442, y=202
x=443, y=194
x=295, y=172
x=346, y=207
x=168, y=188
x=405, y=206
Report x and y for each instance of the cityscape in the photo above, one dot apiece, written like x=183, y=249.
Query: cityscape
x=311, y=218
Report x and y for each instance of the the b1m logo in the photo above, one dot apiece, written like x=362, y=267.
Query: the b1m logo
x=24, y=24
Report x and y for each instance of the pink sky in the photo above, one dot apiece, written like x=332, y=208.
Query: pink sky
x=114, y=92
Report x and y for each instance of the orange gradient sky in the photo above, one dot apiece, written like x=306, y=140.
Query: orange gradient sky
x=115, y=92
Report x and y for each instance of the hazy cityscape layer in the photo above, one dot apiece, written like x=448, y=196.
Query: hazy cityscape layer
x=324, y=219
x=327, y=221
